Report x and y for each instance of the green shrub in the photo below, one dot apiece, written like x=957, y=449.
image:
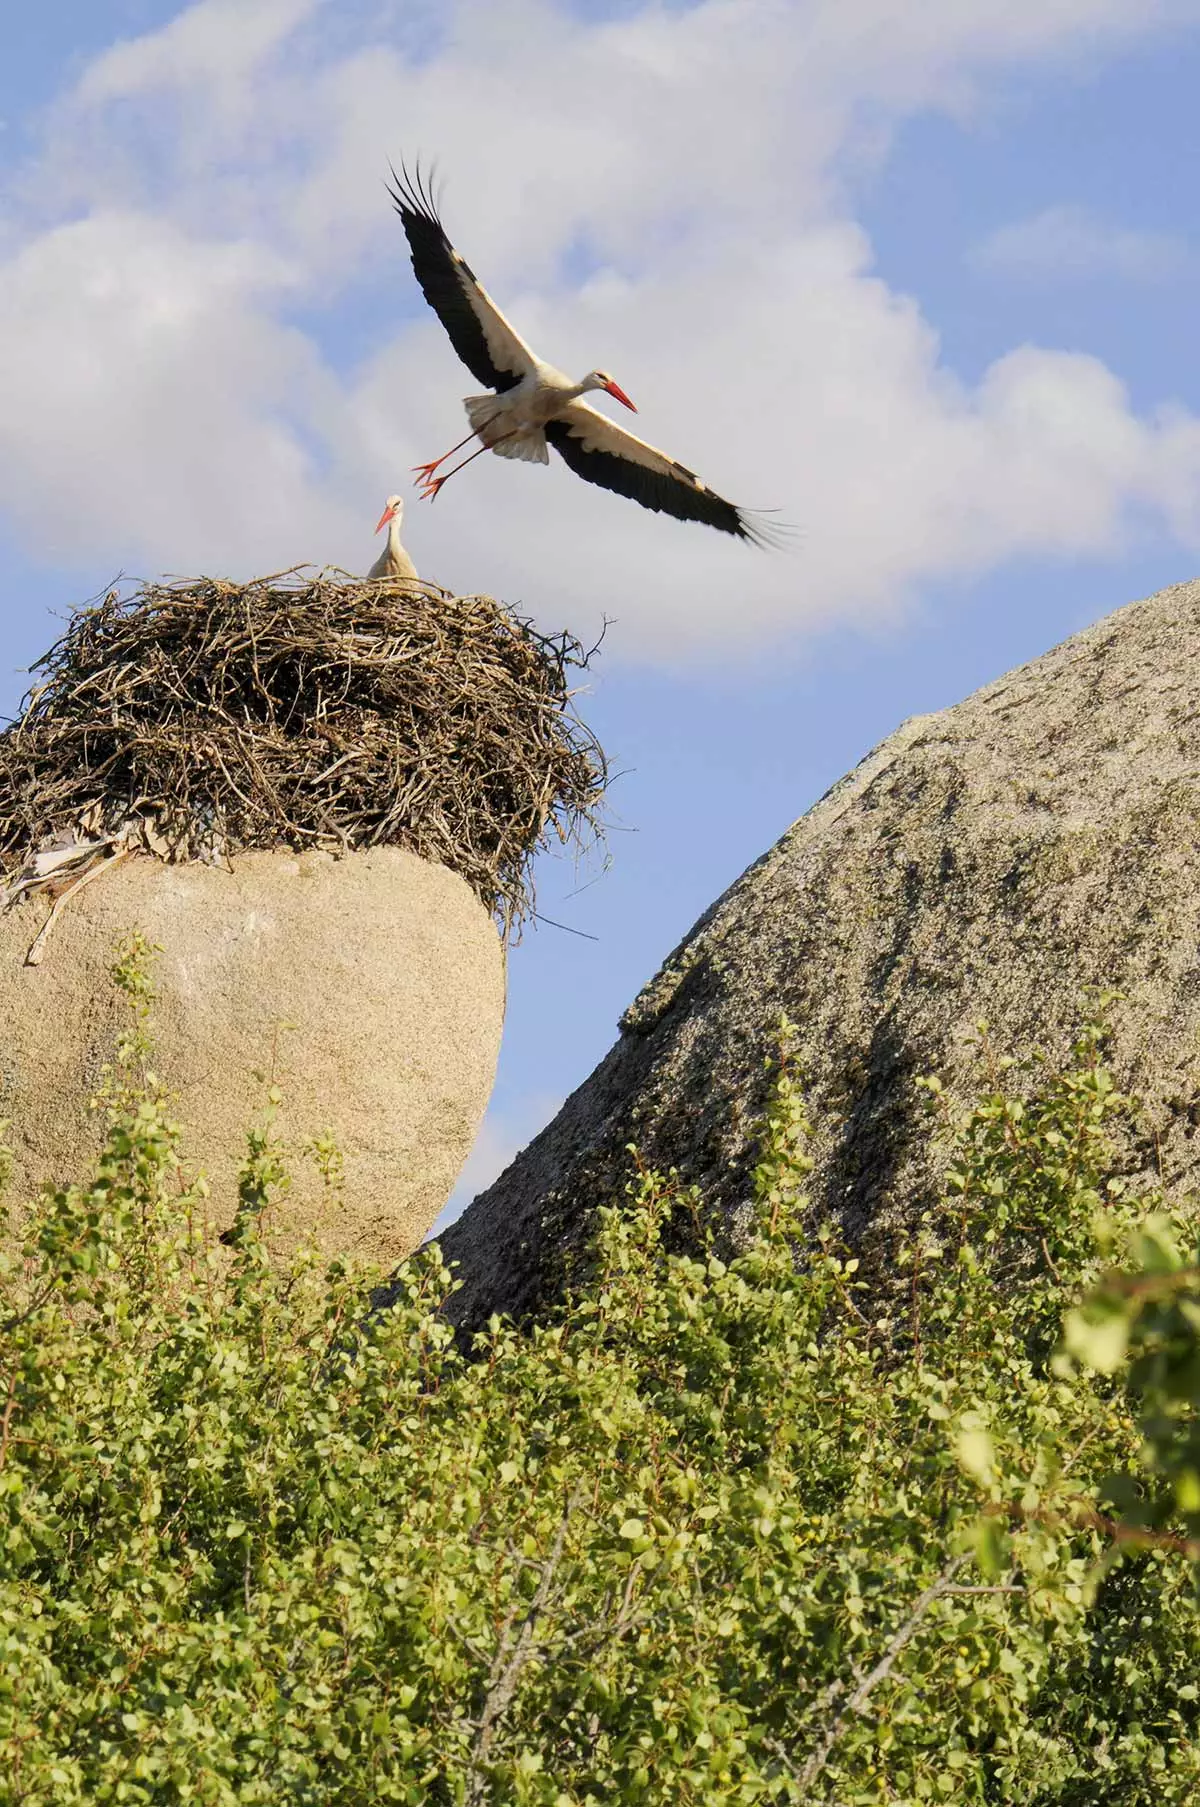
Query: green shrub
x=724, y=1531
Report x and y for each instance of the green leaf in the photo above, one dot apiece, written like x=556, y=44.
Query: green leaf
x=1098, y=1333
x=1187, y=1490
x=991, y=1545
x=975, y=1451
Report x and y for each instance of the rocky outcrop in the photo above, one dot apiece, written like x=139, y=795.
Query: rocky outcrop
x=369, y=989
x=991, y=861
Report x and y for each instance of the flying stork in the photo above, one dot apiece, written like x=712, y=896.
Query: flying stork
x=535, y=405
x=393, y=561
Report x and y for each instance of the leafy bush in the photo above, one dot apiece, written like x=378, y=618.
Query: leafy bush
x=723, y=1531
x=1144, y=1319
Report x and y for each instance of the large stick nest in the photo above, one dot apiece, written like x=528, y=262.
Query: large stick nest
x=307, y=712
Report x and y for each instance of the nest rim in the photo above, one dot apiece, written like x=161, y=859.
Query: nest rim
x=205, y=717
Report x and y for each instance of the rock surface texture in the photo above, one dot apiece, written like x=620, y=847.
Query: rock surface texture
x=991, y=861
x=370, y=989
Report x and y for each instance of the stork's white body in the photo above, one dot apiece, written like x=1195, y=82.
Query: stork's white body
x=535, y=406
x=394, y=561
x=513, y=423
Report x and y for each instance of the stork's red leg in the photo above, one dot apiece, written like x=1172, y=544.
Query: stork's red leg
x=425, y=471
x=432, y=484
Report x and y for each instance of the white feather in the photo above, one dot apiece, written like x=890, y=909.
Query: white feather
x=394, y=561
x=493, y=422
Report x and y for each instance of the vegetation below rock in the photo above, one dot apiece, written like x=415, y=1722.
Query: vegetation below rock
x=718, y=1533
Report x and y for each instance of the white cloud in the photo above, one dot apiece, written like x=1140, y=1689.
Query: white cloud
x=208, y=185
x=153, y=405
x=217, y=44
x=1073, y=244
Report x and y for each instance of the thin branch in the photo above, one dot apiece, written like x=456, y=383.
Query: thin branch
x=781, y=1751
x=883, y=1668
x=1014, y=1588
x=565, y=926
x=510, y=1659
x=6, y=1420
x=1150, y=1286
x=38, y=945
x=22, y=1317
x=1083, y=1517
x=1049, y=1259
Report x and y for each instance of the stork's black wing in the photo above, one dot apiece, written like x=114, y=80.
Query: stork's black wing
x=489, y=347
x=600, y=451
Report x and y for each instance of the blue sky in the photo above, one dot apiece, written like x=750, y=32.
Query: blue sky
x=925, y=278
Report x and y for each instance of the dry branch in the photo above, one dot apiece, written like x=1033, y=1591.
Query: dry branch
x=306, y=711
x=511, y=1656
x=857, y=1701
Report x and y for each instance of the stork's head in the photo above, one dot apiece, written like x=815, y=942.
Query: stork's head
x=600, y=379
x=393, y=510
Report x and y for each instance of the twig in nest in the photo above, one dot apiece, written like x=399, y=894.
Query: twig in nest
x=38, y=945
x=309, y=711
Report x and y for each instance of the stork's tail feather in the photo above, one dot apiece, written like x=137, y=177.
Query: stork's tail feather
x=482, y=412
x=490, y=423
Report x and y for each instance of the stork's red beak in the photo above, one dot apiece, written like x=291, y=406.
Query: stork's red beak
x=384, y=518
x=615, y=390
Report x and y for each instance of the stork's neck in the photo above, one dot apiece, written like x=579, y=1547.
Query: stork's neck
x=556, y=384
x=393, y=539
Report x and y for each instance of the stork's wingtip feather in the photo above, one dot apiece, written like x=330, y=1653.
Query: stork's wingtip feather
x=757, y=528
x=397, y=188
x=415, y=191
x=432, y=188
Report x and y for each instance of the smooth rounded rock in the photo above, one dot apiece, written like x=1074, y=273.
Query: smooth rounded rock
x=369, y=989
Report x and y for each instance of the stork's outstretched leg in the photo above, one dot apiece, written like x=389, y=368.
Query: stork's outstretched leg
x=425, y=471
x=433, y=484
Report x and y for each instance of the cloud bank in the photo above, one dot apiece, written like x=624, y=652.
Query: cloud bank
x=1069, y=244
x=213, y=355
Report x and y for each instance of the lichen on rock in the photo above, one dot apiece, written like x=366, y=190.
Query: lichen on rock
x=993, y=861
